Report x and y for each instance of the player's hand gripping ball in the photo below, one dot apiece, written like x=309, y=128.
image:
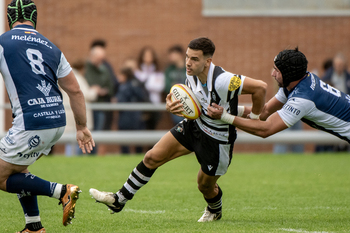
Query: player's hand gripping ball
x=192, y=107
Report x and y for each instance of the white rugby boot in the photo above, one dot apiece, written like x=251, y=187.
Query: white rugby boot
x=108, y=198
x=209, y=216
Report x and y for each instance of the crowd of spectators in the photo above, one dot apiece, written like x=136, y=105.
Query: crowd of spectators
x=139, y=79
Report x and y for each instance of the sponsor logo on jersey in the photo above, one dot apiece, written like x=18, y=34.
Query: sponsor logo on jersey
x=3, y=150
x=49, y=114
x=27, y=156
x=291, y=109
x=48, y=101
x=179, y=129
x=213, y=96
x=313, y=82
x=33, y=142
x=235, y=83
x=43, y=88
x=33, y=33
x=8, y=138
x=30, y=38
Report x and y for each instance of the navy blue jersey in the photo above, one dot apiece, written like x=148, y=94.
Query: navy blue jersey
x=318, y=104
x=31, y=65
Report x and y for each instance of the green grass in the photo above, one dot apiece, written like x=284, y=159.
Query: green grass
x=262, y=193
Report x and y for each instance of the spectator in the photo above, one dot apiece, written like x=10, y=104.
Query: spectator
x=175, y=73
x=153, y=80
x=338, y=77
x=130, y=90
x=90, y=94
x=103, y=44
x=97, y=73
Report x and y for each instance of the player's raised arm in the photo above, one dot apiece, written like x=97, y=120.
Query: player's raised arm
x=77, y=102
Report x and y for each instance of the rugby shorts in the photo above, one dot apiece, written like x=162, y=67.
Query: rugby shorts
x=23, y=147
x=214, y=156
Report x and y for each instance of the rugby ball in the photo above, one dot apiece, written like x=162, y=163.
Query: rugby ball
x=192, y=107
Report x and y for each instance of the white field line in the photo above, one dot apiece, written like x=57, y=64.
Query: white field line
x=298, y=208
x=302, y=231
x=146, y=211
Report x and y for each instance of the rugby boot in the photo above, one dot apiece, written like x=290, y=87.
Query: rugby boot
x=209, y=216
x=68, y=199
x=25, y=230
x=108, y=198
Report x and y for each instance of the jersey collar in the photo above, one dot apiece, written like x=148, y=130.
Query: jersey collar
x=288, y=92
x=209, y=80
x=24, y=27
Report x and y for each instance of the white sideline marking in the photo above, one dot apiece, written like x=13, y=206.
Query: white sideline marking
x=302, y=231
x=146, y=211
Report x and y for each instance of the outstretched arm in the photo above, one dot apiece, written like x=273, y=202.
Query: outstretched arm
x=70, y=85
x=264, y=129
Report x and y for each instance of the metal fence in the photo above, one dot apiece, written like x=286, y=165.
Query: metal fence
x=146, y=137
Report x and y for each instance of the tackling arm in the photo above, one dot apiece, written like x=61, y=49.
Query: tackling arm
x=264, y=129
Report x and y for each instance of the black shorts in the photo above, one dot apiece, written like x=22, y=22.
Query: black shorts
x=213, y=156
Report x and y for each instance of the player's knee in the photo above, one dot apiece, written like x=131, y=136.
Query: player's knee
x=205, y=188
x=152, y=160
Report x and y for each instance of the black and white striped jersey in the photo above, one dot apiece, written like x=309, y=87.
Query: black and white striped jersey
x=223, y=89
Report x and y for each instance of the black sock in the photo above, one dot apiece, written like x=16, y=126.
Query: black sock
x=138, y=178
x=34, y=226
x=215, y=203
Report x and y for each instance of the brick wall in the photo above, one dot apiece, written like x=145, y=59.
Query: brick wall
x=244, y=45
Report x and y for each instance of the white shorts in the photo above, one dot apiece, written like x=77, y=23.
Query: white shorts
x=22, y=147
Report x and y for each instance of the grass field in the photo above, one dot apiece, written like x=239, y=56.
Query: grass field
x=262, y=193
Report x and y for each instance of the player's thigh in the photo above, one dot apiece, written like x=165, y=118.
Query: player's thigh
x=7, y=169
x=166, y=149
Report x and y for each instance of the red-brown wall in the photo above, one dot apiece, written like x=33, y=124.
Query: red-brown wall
x=245, y=45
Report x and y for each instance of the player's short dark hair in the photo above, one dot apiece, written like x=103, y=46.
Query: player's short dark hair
x=176, y=49
x=20, y=11
x=98, y=42
x=204, y=44
x=292, y=64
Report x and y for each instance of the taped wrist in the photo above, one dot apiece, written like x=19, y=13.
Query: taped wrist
x=227, y=118
x=240, y=111
x=254, y=116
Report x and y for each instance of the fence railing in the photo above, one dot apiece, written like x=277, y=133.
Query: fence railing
x=146, y=137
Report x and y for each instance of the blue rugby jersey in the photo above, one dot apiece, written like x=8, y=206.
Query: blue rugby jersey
x=31, y=65
x=317, y=104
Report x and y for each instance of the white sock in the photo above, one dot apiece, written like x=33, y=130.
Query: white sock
x=31, y=219
x=57, y=193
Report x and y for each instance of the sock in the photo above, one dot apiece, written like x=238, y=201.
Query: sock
x=215, y=204
x=31, y=212
x=30, y=208
x=27, y=184
x=138, y=178
x=35, y=226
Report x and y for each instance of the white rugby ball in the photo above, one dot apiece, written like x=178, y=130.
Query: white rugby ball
x=192, y=107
